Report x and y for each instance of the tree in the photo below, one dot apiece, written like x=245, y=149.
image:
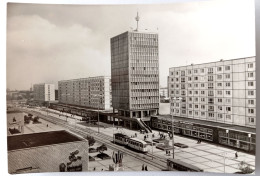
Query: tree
x=245, y=168
x=102, y=148
x=36, y=119
x=91, y=140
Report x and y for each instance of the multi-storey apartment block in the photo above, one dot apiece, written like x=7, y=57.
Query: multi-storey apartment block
x=223, y=91
x=135, y=73
x=44, y=92
x=92, y=92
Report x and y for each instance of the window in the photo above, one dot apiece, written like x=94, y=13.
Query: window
x=228, y=100
x=228, y=84
x=202, y=85
x=250, y=92
x=227, y=76
x=228, y=117
x=190, y=112
x=228, y=92
x=210, y=70
x=177, y=79
x=190, y=92
x=196, y=78
x=251, y=102
x=211, y=108
x=250, y=65
x=133, y=68
x=202, y=99
x=189, y=85
x=177, y=104
x=251, y=111
x=228, y=108
x=227, y=67
x=189, y=78
x=219, y=76
x=189, y=71
x=220, y=116
x=172, y=79
x=177, y=73
x=211, y=114
x=196, y=113
x=196, y=85
x=190, y=105
x=196, y=71
x=251, y=120
x=250, y=83
x=250, y=75
x=220, y=100
x=219, y=68
x=202, y=92
x=219, y=84
x=219, y=92
x=202, y=106
x=220, y=108
x=196, y=106
x=196, y=92
x=210, y=78
x=172, y=85
x=202, y=113
x=171, y=73
x=177, y=85
x=202, y=70
x=196, y=99
x=190, y=99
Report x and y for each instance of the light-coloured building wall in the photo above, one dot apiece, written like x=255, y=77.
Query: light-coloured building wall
x=44, y=92
x=222, y=91
x=135, y=73
x=92, y=92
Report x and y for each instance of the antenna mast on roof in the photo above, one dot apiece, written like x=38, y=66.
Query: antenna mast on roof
x=137, y=19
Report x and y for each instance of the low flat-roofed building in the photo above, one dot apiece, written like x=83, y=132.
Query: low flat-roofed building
x=55, y=151
x=15, y=122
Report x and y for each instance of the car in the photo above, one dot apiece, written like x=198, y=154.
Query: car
x=181, y=145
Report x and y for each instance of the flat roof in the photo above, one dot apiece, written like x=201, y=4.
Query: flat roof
x=209, y=123
x=40, y=139
x=13, y=111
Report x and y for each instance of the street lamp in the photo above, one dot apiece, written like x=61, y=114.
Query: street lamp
x=250, y=141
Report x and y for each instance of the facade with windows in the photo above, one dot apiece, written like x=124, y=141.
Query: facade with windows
x=44, y=92
x=135, y=73
x=92, y=92
x=223, y=91
x=164, y=92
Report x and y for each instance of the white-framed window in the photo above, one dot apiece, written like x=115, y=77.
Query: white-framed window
x=227, y=76
x=250, y=92
x=202, y=113
x=219, y=84
x=220, y=116
x=202, y=70
x=189, y=78
x=228, y=92
x=250, y=65
x=189, y=72
x=196, y=113
x=228, y=100
x=251, y=102
x=202, y=106
x=190, y=92
x=202, y=99
x=196, y=78
x=190, y=112
x=220, y=100
x=202, y=92
x=177, y=73
x=250, y=75
x=195, y=71
x=219, y=92
x=190, y=105
x=202, y=85
x=250, y=83
x=220, y=108
x=196, y=99
x=211, y=114
x=196, y=92
x=251, y=119
x=251, y=111
x=219, y=69
x=228, y=84
x=228, y=108
x=219, y=76
x=228, y=117
x=196, y=106
x=196, y=85
x=227, y=67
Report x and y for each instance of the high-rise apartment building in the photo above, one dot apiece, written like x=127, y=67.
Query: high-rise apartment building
x=135, y=73
x=44, y=92
x=223, y=91
x=92, y=92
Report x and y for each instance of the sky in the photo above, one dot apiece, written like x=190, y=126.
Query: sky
x=48, y=43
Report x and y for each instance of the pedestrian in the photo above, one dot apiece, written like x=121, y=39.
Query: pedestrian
x=94, y=169
x=153, y=135
x=146, y=168
x=143, y=167
x=236, y=155
x=47, y=125
x=102, y=169
x=135, y=134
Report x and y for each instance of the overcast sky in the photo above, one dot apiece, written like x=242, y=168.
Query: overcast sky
x=48, y=43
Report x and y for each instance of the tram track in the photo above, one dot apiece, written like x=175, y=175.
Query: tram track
x=153, y=160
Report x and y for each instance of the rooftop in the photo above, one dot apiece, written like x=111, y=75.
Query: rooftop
x=40, y=139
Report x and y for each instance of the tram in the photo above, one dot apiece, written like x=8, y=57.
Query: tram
x=175, y=164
